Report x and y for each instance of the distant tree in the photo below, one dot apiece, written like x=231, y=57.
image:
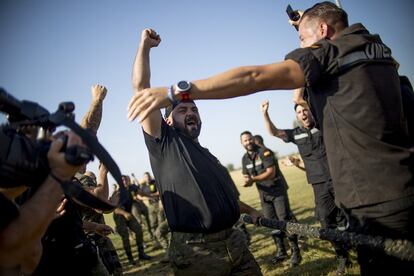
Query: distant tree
x=230, y=167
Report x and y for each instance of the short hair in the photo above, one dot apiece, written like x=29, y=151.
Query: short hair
x=259, y=138
x=328, y=12
x=245, y=133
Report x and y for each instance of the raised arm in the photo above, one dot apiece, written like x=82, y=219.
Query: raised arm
x=271, y=128
x=93, y=117
x=236, y=82
x=102, y=190
x=141, y=75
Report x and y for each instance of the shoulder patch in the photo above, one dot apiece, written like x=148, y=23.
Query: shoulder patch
x=266, y=153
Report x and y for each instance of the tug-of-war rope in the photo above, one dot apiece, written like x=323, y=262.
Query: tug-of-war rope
x=402, y=249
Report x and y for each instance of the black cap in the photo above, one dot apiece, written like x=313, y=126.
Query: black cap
x=170, y=108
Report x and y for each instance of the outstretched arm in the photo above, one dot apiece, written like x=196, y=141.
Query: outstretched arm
x=93, y=117
x=273, y=130
x=236, y=82
x=141, y=75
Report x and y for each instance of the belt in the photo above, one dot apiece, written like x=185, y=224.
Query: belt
x=193, y=238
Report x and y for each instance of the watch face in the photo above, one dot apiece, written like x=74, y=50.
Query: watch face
x=183, y=85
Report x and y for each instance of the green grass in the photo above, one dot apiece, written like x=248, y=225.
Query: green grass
x=318, y=256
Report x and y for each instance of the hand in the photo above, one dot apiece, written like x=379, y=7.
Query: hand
x=265, y=106
x=56, y=159
x=127, y=216
x=248, y=181
x=103, y=168
x=296, y=23
x=146, y=101
x=60, y=211
x=255, y=215
x=150, y=38
x=103, y=229
x=295, y=161
x=98, y=92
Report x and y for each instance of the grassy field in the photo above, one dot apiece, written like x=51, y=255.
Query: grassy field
x=318, y=256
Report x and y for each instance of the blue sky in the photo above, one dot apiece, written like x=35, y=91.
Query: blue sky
x=54, y=51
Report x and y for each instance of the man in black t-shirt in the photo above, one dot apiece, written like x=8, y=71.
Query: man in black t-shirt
x=124, y=219
x=199, y=197
x=309, y=140
x=260, y=166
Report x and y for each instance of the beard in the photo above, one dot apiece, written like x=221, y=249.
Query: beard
x=191, y=127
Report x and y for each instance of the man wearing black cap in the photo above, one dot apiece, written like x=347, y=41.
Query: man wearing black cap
x=199, y=197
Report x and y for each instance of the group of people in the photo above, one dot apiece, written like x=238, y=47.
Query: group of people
x=353, y=142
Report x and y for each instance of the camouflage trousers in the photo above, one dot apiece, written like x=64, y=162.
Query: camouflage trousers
x=138, y=210
x=108, y=255
x=161, y=233
x=122, y=226
x=221, y=253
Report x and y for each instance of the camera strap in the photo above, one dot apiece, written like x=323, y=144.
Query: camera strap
x=100, y=152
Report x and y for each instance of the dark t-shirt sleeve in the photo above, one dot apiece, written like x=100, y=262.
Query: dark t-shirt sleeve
x=268, y=158
x=312, y=60
x=155, y=144
x=289, y=138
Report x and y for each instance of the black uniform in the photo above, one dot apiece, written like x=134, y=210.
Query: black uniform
x=312, y=150
x=197, y=192
x=201, y=205
x=273, y=197
x=354, y=91
x=272, y=192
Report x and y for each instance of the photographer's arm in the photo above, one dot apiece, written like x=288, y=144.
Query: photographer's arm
x=20, y=239
x=93, y=117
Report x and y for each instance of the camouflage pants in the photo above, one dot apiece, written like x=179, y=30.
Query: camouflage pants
x=122, y=226
x=161, y=233
x=140, y=209
x=108, y=254
x=222, y=253
x=155, y=214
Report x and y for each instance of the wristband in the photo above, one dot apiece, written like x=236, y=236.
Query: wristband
x=170, y=95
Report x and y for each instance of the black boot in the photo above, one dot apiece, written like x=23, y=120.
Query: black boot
x=130, y=258
x=295, y=258
x=142, y=255
x=342, y=257
x=281, y=253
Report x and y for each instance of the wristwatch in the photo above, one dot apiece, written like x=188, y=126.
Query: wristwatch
x=183, y=88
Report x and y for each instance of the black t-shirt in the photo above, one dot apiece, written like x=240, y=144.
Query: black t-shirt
x=257, y=163
x=132, y=190
x=197, y=192
x=360, y=114
x=312, y=149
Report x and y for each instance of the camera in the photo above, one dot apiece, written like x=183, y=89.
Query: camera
x=23, y=159
x=293, y=15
